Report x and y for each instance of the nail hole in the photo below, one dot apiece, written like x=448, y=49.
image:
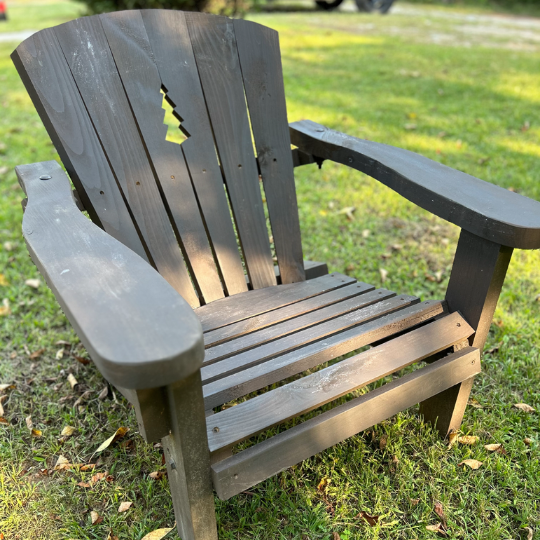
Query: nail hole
x=459, y=324
x=204, y=170
x=102, y=193
x=275, y=159
x=138, y=183
x=172, y=176
x=236, y=477
x=216, y=430
x=239, y=166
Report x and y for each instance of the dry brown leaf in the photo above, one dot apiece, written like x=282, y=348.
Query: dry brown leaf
x=34, y=283
x=89, y=467
x=158, y=534
x=62, y=463
x=29, y=423
x=82, y=360
x=438, y=507
x=384, y=274
x=104, y=393
x=438, y=528
x=3, y=421
x=124, y=506
x=468, y=439
x=68, y=431
x=323, y=484
x=59, y=354
x=530, y=533
x=524, y=407
x=372, y=520
x=82, y=397
x=156, y=475
x=1, y=409
x=452, y=439
x=493, y=447
x=119, y=433
x=37, y=433
x=111, y=536
x=36, y=354
x=474, y=403
x=84, y=485
x=527, y=441
x=96, y=518
x=414, y=502
x=99, y=476
x=335, y=536
x=72, y=380
x=6, y=387
x=5, y=309
x=3, y=281
x=472, y=463
x=383, y=442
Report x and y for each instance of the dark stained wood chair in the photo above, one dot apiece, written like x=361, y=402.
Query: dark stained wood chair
x=171, y=284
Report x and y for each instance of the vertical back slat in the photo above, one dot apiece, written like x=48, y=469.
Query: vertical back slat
x=89, y=58
x=46, y=75
x=171, y=46
x=216, y=56
x=260, y=61
x=132, y=54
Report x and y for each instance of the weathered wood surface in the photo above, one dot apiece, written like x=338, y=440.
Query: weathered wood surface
x=253, y=324
x=251, y=466
x=246, y=419
x=133, y=57
x=481, y=208
x=289, y=364
x=279, y=347
x=249, y=304
x=289, y=326
x=260, y=62
x=188, y=462
x=137, y=329
x=48, y=80
x=101, y=88
x=173, y=55
x=216, y=56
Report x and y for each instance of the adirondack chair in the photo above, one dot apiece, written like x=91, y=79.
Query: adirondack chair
x=171, y=284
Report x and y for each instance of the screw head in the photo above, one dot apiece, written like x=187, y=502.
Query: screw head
x=216, y=430
x=45, y=177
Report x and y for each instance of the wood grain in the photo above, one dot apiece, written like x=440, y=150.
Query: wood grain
x=260, y=62
x=216, y=55
x=173, y=55
x=481, y=208
x=249, y=304
x=90, y=60
x=247, y=326
x=312, y=391
x=249, y=467
x=48, y=80
x=289, y=364
x=133, y=57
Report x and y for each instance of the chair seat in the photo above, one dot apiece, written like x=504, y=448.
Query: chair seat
x=262, y=337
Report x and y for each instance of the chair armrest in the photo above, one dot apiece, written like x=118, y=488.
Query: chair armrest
x=479, y=207
x=138, y=330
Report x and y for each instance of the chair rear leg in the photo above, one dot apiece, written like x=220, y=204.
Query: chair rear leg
x=188, y=461
x=475, y=285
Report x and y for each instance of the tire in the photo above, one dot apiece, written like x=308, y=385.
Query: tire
x=385, y=6
x=327, y=6
x=365, y=6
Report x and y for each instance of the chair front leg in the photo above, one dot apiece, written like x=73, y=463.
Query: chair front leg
x=475, y=285
x=188, y=461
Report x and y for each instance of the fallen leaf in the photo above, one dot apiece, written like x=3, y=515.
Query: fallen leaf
x=3, y=281
x=372, y=520
x=438, y=507
x=84, y=485
x=34, y=283
x=495, y=348
x=89, y=467
x=111, y=536
x=68, y=431
x=468, y=439
x=82, y=360
x=99, y=476
x=527, y=441
x=383, y=441
x=323, y=483
x=367, y=232
x=104, y=393
x=3, y=170
x=410, y=126
x=452, y=439
x=72, y=380
x=96, y=518
x=439, y=528
x=493, y=447
x=37, y=433
x=119, y=433
x=384, y=274
x=530, y=533
x=3, y=421
x=524, y=407
x=396, y=247
x=414, y=502
x=335, y=536
x=472, y=463
x=5, y=309
x=36, y=354
x=348, y=211
x=62, y=463
x=158, y=534
x=59, y=354
x=29, y=423
x=5, y=387
x=474, y=403
x=82, y=397
x=124, y=506
x=8, y=246
x=156, y=475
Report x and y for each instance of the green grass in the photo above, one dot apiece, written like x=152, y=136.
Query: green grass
x=368, y=76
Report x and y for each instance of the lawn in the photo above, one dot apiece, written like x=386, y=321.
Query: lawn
x=453, y=87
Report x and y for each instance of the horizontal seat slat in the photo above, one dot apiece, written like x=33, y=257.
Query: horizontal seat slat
x=249, y=467
x=260, y=337
x=299, y=397
x=246, y=326
x=256, y=377
x=265, y=352
x=251, y=303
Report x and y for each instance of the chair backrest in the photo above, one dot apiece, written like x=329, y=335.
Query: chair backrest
x=194, y=210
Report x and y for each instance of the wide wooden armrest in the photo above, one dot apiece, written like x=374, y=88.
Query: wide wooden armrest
x=138, y=330
x=479, y=207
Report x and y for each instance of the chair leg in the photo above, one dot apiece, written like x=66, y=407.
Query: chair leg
x=475, y=285
x=188, y=461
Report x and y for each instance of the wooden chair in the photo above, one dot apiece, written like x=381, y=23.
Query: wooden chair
x=217, y=320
